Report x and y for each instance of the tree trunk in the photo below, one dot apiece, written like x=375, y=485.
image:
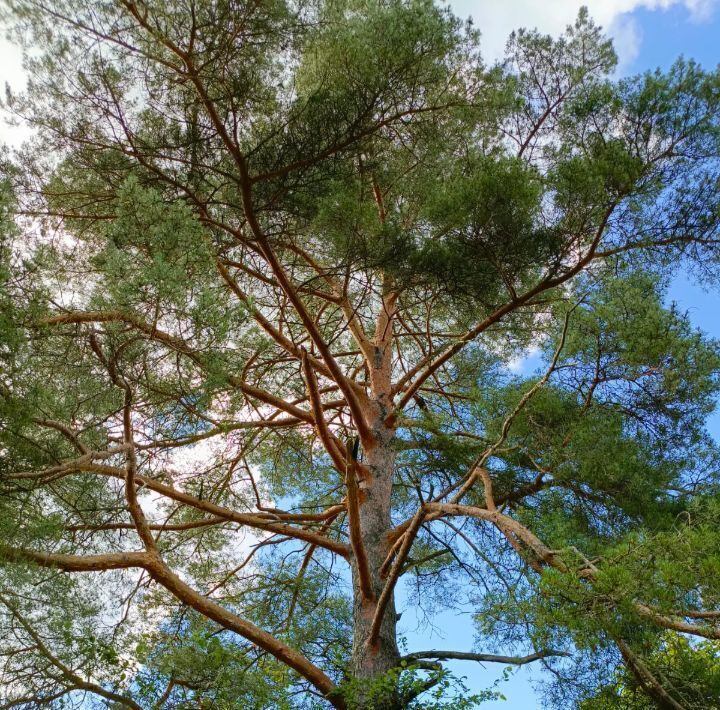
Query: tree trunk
x=370, y=661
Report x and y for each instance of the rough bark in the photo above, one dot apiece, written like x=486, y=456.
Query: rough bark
x=371, y=660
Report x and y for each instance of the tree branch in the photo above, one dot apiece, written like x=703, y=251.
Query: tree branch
x=483, y=657
x=394, y=574
x=75, y=563
x=78, y=683
x=356, y=542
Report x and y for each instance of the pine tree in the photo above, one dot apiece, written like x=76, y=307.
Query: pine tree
x=267, y=268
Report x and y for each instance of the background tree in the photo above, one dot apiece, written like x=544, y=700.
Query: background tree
x=265, y=269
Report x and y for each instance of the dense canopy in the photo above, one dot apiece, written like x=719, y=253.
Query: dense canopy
x=269, y=276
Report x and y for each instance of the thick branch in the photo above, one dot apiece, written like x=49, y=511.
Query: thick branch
x=211, y=610
x=271, y=522
x=327, y=439
x=668, y=622
x=358, y=415
x=186, y=594
x=75, y=563
x=394, y=574
x=483, y=657
x=356, y=542
x=647, y=680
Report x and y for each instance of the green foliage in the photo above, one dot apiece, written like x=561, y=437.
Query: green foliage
x=440, y=690
x=692, y=669
x=206, y=668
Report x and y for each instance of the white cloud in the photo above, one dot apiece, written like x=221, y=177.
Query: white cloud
x=519, y=362
x=12, y=74
x=496, y=20
x=11, y=70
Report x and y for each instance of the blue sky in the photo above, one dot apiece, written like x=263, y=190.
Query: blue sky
x=648, y=35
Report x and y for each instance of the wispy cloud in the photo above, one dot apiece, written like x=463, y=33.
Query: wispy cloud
x=496, y=20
